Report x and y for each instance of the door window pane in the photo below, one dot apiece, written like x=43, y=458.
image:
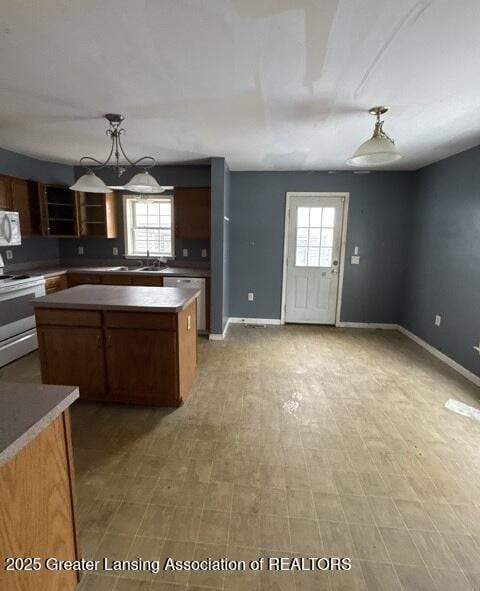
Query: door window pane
x=314, y=236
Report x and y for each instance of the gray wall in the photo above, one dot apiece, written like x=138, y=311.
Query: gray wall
x=378, y=222
x=220, y=186
x=12, y=164
x=179, y=176
x=444, y=259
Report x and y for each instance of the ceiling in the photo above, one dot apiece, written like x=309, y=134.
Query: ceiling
x=269, y=84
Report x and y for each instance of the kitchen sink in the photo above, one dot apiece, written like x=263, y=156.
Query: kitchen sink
x=157, y=269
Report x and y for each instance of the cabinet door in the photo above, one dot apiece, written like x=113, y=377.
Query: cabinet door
x=112, y=279
x=74, y=357
x=25, y=201
x=5, y=192
x=192, y=212
x=83, y=279
x=141, y=366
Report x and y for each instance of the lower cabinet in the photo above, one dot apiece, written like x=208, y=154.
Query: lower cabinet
x=141, y=361
x=37, y=513
x=73, y=356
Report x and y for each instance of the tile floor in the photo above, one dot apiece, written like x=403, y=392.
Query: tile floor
x=294, y=441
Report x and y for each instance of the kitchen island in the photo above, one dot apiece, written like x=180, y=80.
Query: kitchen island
x=37, y=513
x=117, y=343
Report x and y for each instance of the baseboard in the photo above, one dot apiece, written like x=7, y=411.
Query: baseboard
x=217, y=336
x=255, y=321
x=447, y=360
x=367, y=325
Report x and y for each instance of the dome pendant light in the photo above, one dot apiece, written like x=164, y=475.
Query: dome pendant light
x=142, y=182
x=380, y=149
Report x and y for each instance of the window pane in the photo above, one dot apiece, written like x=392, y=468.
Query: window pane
x=312, y=257
x=302, y=216
x=314, y=237
x=316, y=216
x=327, y=237
x=302, y=236
x=301, y=257
x=326, y=257
x=328, y=219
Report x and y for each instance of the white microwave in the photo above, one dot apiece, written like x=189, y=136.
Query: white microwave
x=10, y=228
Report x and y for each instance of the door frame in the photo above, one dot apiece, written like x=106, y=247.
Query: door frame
x=346, y=199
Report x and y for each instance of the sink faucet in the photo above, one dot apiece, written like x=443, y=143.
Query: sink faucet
x=2, y=265
x=148, y=258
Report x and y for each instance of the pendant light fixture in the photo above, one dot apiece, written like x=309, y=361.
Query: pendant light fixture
x=142, y=182
x=379, y=149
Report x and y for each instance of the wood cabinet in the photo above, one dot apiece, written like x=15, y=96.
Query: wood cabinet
x=131, y=357
x=141, y=361
x=5, y=192
x=25, y=200
x=55, y=283
x=112, y=279
x=192, y=213
x=83, y=279
x=147, y=280
x=73, y=355
x=59, y=210
x=37, y=514
x=98, y=214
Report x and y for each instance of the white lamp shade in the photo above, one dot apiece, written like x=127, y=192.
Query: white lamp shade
x=143, y=182
x=375, y=152
x=90, y=183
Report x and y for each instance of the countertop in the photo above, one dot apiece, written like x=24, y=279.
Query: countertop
x=126, y=298
x=167, y=271
x=25, y=411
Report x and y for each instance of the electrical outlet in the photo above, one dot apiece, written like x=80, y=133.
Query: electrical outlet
x=81, y=250
x=115, y=250
x=185, y=252
x=9, y=254
x=204, y=253
x=250, y=296
x=355, y=260
x=438, y=320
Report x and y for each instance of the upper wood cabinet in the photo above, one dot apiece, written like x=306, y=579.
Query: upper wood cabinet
x=25, y=201
x=98, y=214
x=5, y=192
x=59, y=210
x=192, y=212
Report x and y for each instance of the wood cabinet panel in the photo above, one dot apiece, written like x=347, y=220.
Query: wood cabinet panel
x=5, y=192
x=148, y=320
x=25, y=201
x=141, y=366
x=37, y=516
x=55, y=283
x=83, y=279
x=54, y=317
x=147, y=280
x=192, y=212
x=110, y=279
x=73, y=356
x=187, y=348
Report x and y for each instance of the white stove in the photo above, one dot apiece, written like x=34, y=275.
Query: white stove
x=18, y=335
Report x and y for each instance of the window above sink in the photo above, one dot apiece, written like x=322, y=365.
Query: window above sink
x=148, y=225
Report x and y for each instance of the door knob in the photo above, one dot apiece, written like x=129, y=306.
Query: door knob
x=335, y=263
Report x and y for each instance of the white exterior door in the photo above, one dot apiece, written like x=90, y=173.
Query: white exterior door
x=313, y=258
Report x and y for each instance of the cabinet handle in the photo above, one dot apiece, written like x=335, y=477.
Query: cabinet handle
x=109, y=340
x=99, y=341
x=189, y=322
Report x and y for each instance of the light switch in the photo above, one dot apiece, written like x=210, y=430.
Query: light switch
x=355, y=250
x=115, y=250
x=438, y=320
x=81, y=250
x=9, y=254
x=204, y=253
x=250, y=297
x=355, y=260
x=185, y=252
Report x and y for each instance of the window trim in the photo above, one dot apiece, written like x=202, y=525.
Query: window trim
x=126, y=230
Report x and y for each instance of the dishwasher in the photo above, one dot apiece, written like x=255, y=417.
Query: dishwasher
x=194, y=283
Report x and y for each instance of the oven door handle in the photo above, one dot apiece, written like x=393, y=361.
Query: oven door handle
x=6, y=223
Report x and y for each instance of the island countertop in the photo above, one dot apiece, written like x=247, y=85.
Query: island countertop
x=27, y=409
x=124, y=298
